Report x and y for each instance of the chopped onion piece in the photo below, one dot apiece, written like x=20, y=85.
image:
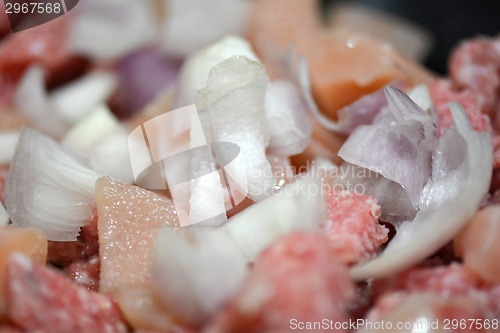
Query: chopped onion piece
x=48, y=189
x=422, y=97
x=144, y=75
x=391, y=196
x=233, y=102
x=289, y=125
x=111, y=156
x=297, y=206
x=53, y=114
x=32, y=101
x=111, y=29
x=461, y=174
x=398, y=146
x=197, y=271
x=4, y=216
x=194, y=73
x=75, y=100
x=8, y=143
x=192, y=25
x=85, y=135
x=195, y=274
x=207, y=193
x=104, y=142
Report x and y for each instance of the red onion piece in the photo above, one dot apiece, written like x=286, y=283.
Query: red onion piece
x=142, y=76
x=461, y=174
x=398, y=147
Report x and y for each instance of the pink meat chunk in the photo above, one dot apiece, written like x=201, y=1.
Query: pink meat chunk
x=352, y=226
x=475, y=64
x=442, y=93
x=437, y=293
x=41, y=300
x=297, y=277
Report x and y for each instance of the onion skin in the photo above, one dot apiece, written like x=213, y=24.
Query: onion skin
x=461, y=175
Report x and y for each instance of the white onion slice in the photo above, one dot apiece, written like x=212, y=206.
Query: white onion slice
x=53, y=114
x=461, y=174
x=90, y=131
x=76, y=99
x=48, y=189
x=197, y=270
x=391, y=196
x=104, y=142
x=398, y=146
x=192, y=25
x=234, y=102
x=195, y=274
x=297, y=206
x=289, y=125
x=195, y=70
x=8, y=143
x=110, y=29
x=4, y=216
x=32, y=101
x=111, y=156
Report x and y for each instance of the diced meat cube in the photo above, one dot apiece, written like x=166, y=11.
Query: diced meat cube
x=41, y=300
x=30, y=241
x=298, y=278
x=479, y=244
x=352, y=226
x=129, y=219
x=344, y=65
x=475, y=64
x=442, y=93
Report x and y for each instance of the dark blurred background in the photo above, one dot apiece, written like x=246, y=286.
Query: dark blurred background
x=448, y=21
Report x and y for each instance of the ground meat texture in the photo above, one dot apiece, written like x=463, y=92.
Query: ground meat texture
x=475, y=64
x=40, y=300
x=352, y=226
x=442, y=93
x=296, y=278
x=9, y=329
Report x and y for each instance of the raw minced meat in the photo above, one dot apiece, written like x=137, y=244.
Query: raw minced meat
x=352, y=226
